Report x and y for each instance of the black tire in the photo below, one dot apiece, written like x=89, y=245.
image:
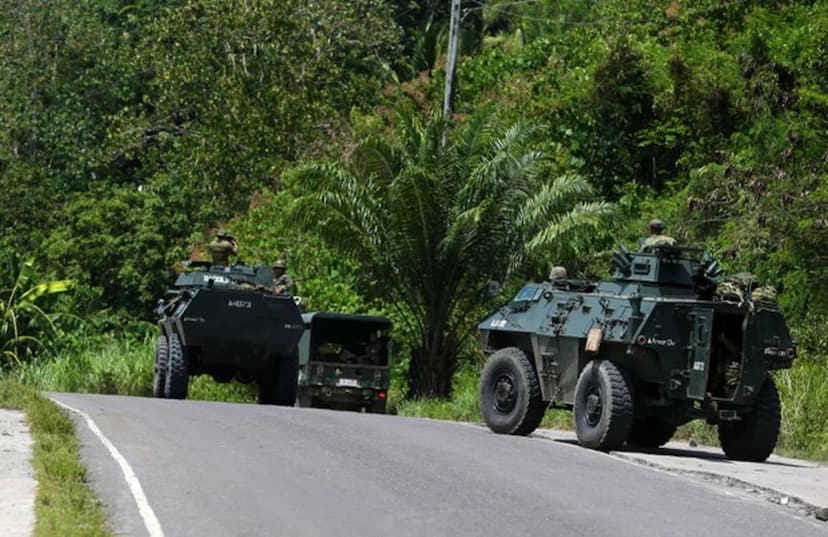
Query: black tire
x=304, y=401
x=510, y=395
x=278, y=386
x=178, y=374
x=603, y=406
x=378, y=406
x=753, y=437
x=159, y=375
x=651, y=432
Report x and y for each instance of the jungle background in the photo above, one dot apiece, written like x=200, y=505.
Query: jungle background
x=131, y=130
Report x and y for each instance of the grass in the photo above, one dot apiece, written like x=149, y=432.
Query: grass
x=118, y=365
x=65, y=506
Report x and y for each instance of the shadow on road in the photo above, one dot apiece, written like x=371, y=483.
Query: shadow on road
x=682, y=453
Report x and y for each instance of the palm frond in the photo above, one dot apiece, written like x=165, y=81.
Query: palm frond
x=564, y=226
x=553, y=198
x=373, y=157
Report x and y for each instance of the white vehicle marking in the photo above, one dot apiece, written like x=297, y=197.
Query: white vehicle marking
x=144, y=509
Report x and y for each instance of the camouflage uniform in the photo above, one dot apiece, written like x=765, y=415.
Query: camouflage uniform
x=222, y=248
x=656, y=238
x=282, y=283
x=374, y=351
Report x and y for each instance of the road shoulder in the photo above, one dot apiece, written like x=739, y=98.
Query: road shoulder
x=18, y=486
x=792, y=483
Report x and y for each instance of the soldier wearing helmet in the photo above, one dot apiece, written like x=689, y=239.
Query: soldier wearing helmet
x=282, y=283
x=557, y=273
x=657, y=236
x=222, y=247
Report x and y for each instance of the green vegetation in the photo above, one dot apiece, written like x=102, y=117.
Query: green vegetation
x=65, y=506
x=149, y=124
x=427, y=210
x=116, y=365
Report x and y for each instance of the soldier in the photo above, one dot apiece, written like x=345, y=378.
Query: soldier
x=282, y=283
x=221, y=248
x=374, y=350
x=557, y=273
x=657, y=236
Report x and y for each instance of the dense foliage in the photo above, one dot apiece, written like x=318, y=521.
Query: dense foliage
x=432, y=219
x=129, y=130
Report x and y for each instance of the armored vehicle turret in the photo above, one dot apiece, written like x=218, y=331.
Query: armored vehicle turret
x=224, y=322
x=638, y=355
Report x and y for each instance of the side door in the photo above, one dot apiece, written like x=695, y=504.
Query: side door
x=699, y=352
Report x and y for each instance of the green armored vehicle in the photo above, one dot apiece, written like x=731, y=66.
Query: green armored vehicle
x=222, y=321
x=344, y=362
x=637, y=356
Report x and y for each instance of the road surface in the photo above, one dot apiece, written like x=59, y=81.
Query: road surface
x=214, y=469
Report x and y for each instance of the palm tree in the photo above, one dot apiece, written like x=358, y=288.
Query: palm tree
x=432, y=222
x=21, y=318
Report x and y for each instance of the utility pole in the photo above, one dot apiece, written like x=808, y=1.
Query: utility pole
x=451, y=63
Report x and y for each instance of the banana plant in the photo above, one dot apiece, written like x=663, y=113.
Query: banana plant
x=23, y=322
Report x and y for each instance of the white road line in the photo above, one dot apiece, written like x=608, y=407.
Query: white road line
x=147, y=514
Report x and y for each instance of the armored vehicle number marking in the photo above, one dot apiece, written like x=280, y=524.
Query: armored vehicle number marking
x=351, y=383
x=499, y=323
x=698, y=366
x=247, y=304
x=219, y=279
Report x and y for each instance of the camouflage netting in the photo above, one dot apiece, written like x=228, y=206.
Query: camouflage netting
x=729, y=291
x=742, y=286
x=764, y=297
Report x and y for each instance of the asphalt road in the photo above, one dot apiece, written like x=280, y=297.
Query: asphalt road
x=213, y=469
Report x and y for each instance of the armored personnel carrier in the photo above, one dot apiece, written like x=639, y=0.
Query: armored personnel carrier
x=344, y=362
x=222, y=321
x=639, y=355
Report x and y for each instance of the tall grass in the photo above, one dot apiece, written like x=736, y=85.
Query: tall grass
x=121, y=365
x=804, y=393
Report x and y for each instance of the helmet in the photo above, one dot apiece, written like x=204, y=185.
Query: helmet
x=656, y=225
x=557, y=273
x=278, y=264
x=221, y=232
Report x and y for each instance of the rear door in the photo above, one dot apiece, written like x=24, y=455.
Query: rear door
x=699, y=352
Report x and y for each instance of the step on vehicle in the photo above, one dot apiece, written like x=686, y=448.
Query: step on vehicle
x=637, y=356
x=344, y=362
x=223, y=322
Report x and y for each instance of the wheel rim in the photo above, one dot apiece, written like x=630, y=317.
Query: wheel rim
x=505, y=394
x=594, y=406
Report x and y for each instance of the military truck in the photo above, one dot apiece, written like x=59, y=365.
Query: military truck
x=639, y=355
x=344, y=362
x=223, y=322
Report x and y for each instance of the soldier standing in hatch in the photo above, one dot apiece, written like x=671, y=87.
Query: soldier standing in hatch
x=222, y=247
x=557, y=273
x=657, y=236
x=282, y=283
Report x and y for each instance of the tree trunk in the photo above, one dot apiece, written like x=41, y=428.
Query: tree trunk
x=431, y=369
